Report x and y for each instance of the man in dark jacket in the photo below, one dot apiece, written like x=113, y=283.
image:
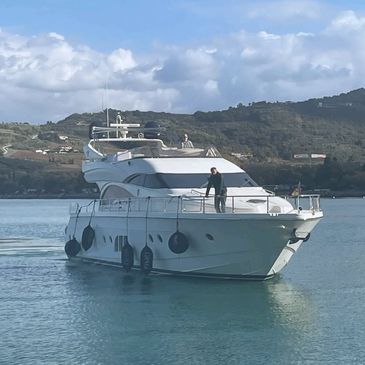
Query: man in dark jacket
x=216, y=180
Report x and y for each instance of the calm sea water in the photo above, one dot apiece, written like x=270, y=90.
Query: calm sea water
x=56, y=312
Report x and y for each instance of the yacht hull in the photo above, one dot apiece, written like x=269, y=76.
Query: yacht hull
x=235, y=246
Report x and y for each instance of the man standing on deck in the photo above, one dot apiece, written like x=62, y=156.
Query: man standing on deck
x=216, y=180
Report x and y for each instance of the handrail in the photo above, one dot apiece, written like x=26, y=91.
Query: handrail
x=235, y=204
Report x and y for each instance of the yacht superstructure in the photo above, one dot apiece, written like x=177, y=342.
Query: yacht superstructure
x=153, y=215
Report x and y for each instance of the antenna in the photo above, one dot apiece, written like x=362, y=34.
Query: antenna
x=107, y=102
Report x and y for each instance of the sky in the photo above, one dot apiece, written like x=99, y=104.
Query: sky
x=59, y=57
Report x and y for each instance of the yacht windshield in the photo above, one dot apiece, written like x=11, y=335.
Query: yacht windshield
x=181, y=181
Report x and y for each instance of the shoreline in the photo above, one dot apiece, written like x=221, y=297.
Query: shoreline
x=49, y=196
x=327, y=195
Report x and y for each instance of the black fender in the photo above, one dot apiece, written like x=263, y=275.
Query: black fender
x=72, y=247
x=127, y=256
x=178, y=243
x=88, y=236
x=146, y=260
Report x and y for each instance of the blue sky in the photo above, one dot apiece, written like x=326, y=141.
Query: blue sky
x=176, y=56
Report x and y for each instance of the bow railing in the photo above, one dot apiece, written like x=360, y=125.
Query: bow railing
x=237, y=204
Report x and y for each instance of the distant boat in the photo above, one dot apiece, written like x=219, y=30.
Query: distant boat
x=153, y=215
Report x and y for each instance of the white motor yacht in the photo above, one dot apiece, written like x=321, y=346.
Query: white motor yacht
x=153, y=214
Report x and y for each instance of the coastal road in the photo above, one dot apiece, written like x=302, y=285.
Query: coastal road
x=5, y=149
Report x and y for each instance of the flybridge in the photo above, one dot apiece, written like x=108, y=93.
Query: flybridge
x=119, y=132
x=144, y=143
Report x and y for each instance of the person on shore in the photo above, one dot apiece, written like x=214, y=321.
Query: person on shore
x=220, y=196
x=186, y=143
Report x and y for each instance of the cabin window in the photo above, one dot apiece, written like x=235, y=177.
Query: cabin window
x=237, y=179
x=147, y=180
x=153, y=181
x=181, y=181
x=136, y=179
x=115, y=192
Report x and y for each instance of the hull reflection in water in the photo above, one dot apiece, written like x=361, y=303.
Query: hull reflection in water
x=208, y=321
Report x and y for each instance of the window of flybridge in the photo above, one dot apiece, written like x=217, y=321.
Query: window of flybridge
x=157, y=150
x=181, y=181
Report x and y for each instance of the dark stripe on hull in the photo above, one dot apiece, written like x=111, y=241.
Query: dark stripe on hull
x=178, y=273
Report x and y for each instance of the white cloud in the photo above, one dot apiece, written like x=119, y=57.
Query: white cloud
x=56, y=36
x=265, y=35
x=190, y=65
x=121, y=60
x=45, y=77
x=347, y=22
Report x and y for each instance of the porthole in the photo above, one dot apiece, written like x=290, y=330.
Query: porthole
x=159, y=238
x=150, y=237
x=210, y=237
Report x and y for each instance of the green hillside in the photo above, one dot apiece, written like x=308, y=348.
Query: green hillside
x=269, y=134
x=334, y=126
